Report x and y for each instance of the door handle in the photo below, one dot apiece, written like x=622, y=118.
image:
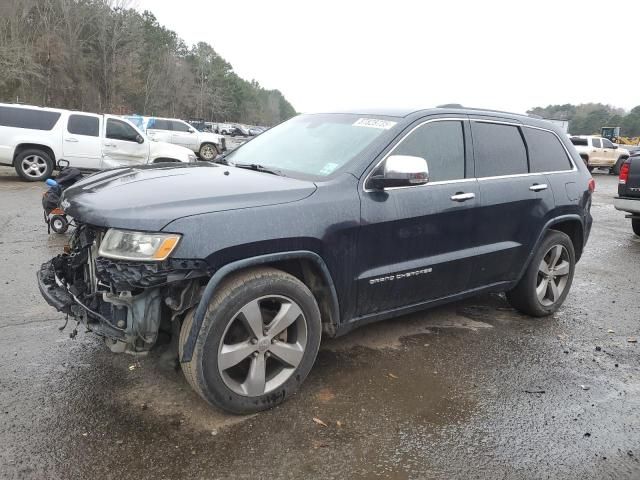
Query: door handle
x=463, y=197
x=537, y=187
x=74, y=140
x=109, y=144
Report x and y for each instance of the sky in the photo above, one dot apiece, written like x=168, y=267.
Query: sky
x=505, y=55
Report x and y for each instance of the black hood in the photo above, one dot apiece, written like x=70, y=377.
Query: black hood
x=149, y=197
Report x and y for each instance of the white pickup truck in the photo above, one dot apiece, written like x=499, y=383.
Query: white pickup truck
x=34, y=139
x=173, y=130
x=599, y=152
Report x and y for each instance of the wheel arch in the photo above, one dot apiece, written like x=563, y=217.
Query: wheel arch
x=307, y=266
x=572, y=225
x=21, y=147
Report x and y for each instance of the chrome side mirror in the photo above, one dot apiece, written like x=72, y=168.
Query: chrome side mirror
x=401, y=171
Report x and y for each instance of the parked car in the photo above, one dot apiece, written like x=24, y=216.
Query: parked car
x=254, y=131
x=628, y=199
x=33, y=139
x=233, y=130
x=599, y=152
x=172, y=130
x=321, y=224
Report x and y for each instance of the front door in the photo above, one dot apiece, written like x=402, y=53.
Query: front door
x=184, y=135
x=123, y=145
x=609, y=152
x=514, y=202
x=81, y=142
x=416, y=243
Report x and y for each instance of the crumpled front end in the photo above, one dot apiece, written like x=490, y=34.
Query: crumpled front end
x=126, y=302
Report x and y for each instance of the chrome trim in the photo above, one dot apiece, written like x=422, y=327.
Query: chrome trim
x=538, y=187
x=479, y=120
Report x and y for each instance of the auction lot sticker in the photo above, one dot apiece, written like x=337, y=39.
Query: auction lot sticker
x=374, y=123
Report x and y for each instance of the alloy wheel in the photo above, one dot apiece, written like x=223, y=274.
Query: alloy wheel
x=34, y=166
x=553, y=274
x=208, y=152
x=262, y=345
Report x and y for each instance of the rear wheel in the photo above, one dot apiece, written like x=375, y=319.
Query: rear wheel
x=635, y=225
x=547, y=280
x=258, y=341
x=33, y=165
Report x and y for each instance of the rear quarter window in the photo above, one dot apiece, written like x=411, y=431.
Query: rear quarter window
x=579, y=142
x=499, y=150
x=26, y=118
x=546, y=153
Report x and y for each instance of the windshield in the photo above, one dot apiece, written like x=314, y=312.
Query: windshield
x=315, y=145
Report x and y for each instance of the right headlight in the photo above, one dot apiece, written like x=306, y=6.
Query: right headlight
x=143, y=246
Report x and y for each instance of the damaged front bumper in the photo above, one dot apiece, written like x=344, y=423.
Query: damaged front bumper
x=125, y=302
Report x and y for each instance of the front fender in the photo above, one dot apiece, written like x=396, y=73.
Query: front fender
x=229, y=268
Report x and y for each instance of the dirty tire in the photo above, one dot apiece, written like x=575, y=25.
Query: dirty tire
x=208, y=152
x=635, y=225
x=615, y=170
x=59, y=224
x=204, y=372
x=524, y=296
x=33, y=165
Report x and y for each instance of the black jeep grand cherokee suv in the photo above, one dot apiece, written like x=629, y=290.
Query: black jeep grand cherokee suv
x=319, y=225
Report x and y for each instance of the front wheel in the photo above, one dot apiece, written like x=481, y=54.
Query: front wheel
x=208, y=152
x=258, y=341
x=615, y=170
x=547, y=280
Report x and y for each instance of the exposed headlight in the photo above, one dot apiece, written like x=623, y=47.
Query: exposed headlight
x=127, y=245
x=192, y=157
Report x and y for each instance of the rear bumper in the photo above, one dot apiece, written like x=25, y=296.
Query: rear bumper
x=631, y=205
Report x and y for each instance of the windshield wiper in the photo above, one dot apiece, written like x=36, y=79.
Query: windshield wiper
x=259, y=168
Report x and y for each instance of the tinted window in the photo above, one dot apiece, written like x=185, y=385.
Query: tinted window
x=546, y=153
x=26, y=118
x=441, y=144
x=118, y=130
x=580, y=142
x=606, y=143
x=179, y=127
x=596, y=142
x=158, y=124
x=499, y=150
x=83, y=125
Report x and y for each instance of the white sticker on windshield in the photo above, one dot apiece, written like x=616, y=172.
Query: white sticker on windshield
x=328, y=168
x=374, y=123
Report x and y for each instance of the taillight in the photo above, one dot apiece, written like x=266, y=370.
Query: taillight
x=592, y=185
x=624, y=172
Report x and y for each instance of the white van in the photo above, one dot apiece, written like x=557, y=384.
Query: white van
x=33, y=139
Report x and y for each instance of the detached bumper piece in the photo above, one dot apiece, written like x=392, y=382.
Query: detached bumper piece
x=55, y=295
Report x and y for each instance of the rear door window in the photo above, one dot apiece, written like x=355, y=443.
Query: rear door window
x=28, y=118
x=441, y=144
x=596, y=143
x=499, y=150
x=83, y=125
x=546, y=153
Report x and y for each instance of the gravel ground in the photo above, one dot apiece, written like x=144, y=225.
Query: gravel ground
x=471, y=390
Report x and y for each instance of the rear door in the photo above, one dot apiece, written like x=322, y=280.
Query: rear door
x=514, y=203
x=596, y=156
x=82, y=145
x=415, y=243
x=609, y=153
x=123, y=145
x=184, y=135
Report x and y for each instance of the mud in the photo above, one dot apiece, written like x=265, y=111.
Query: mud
x=470, y=390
